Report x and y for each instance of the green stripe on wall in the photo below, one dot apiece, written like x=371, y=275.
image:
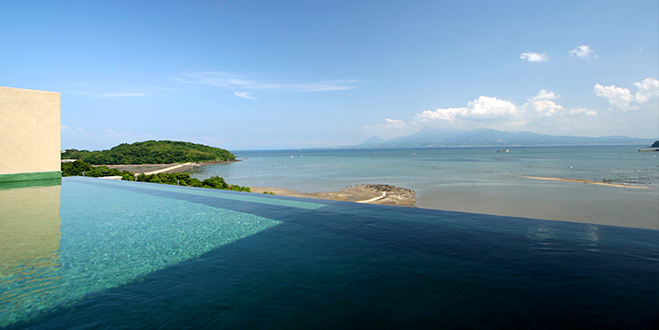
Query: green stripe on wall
x=30, y=183
x=14, y=177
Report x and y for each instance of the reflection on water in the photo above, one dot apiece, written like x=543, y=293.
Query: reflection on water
x=30, y=226
x=542, y=236
x=590, y=239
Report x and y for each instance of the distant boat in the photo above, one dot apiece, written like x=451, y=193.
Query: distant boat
x=503, y=150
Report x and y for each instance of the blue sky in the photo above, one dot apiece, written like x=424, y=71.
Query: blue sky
x=296, y=74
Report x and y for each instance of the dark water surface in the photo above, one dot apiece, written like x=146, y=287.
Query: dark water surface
x=137, y=255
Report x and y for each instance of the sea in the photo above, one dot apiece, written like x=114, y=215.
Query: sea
x=475, y=180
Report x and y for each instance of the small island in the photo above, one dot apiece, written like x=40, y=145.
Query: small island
x=128, y=161
x=152, y=152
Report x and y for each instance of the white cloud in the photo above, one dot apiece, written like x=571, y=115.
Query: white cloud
x=232, y=81
x=545, y=95
x=581, y=111
x=395, y=123
x=583, y=51
x=648, y=90
x=618, y=97
x=244, y=95
x=486, y=107
x=543, y=105
x=534, y=57
x=623, y=99
x=542, y=113
x=540, y=110
x=441, y=114
x=482, y=108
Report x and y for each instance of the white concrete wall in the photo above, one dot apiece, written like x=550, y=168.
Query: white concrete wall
x=29, y=131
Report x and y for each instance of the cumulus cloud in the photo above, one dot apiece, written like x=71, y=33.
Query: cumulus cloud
x=534, y=57
x=623, y=98
x=442, y=114
x=581, y=111
x=244, y=95
x=490, y=107
x=542, y=113
x=541, y=109
x=543, y=104
x=395, y=123
x=584, y=52
x=648, y=90
x=482, y=108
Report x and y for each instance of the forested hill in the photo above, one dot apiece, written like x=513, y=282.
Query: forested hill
x=151, y=152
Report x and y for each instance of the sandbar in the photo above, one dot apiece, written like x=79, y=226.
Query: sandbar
x=365, y=193
x=585, y=181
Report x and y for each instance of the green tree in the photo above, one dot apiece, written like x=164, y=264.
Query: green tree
x=75, y=168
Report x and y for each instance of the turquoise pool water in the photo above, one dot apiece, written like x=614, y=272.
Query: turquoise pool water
x=92, y=253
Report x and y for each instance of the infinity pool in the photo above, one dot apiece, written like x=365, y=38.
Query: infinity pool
x=93, y=253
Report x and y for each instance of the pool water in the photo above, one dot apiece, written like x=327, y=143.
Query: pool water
x=93, y=253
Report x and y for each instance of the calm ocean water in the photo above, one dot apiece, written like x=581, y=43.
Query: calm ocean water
x=476, y=180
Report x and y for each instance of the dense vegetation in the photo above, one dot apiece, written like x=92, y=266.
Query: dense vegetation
x=184, y=179
x=151, y=152
x=79, y=168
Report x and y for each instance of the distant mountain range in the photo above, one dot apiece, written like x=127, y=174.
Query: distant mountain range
x=428, y=138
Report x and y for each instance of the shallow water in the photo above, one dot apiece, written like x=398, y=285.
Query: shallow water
x=476, y=180
x=108, y=255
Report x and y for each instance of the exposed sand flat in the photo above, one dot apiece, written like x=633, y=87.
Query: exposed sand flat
x=150, y=168
x=172, y=168
x=365, y=193
x=384, y=194
x=585, y=181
